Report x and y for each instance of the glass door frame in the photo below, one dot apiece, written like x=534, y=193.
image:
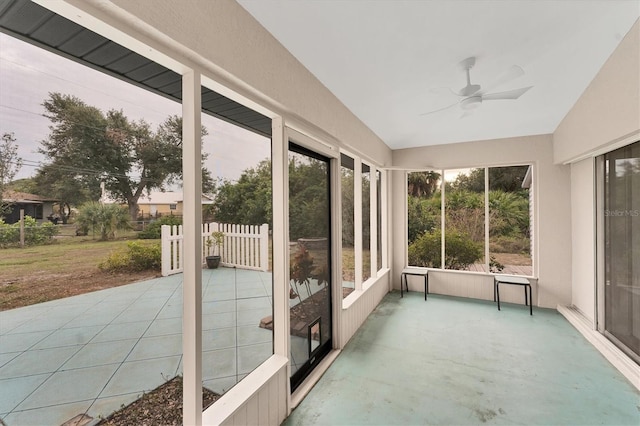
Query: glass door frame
x=332, y=155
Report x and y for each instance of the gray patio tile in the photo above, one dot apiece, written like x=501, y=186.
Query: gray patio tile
x=141, y=376
x=104, y=407
x=12, y=319
x=14, y=391
x=18, y=342
x=55, y=415
x=36, y=325
x=8, y=356
x=249, y=357
x=221, y=385
x=37, y=362
x=219, y=363
x=248, y=277
x=257, y=284
x=218, y=339
x=104, y=353
x=253, y=303
x=94, y=318
x=252, y=316
x=218, y=307
x=251, y=334
x=130, y=330
x=243, y=293
x=65, y=387
x=170, y=311
x=161, y=327
x=214, y=321
x=134, y=314
x=69, y=337
x=219, y=295
x=155, y=347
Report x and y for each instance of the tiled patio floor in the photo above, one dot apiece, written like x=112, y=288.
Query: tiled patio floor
x=453, y=361
x=95, y=352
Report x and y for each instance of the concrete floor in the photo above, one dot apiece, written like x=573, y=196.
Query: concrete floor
x=453, y=361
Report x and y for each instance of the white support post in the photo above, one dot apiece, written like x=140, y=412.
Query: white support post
x=264, y=247
x=384, y=182
x=165, y=232
x=280, y=167
x=487, y=255
x=192, y=250
x=443, y=206
x=373, y=220
x=357, y=221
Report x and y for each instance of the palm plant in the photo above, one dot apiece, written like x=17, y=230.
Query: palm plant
x=103, y=219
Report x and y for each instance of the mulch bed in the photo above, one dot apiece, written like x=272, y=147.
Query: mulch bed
x=161, y=406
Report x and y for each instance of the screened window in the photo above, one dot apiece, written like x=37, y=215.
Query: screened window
x=487, y=219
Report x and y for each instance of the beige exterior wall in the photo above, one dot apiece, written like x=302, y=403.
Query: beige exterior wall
x=583, y=235
x=609, y=109
x=552, y=227
x=606, y=116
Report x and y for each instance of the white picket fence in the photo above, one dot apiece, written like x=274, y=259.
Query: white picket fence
x=244, y=247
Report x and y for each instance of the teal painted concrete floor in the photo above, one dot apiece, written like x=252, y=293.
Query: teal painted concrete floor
x=453, y=361
x=98, y=351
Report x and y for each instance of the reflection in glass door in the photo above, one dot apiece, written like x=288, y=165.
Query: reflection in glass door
x=309, y=261
x=622, y=248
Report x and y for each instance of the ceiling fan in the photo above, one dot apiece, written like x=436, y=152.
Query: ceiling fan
x=473, y=95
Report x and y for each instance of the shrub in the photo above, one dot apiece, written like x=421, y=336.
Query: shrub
x=136, y=257
x=153, y=230
x=505, y=244
x=34, y=233
x=461, y=251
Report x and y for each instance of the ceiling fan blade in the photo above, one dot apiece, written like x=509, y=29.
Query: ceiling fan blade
x=509, y=94
x=443, y=91
x=441, y=109
x=512, y=73
x=466, y=114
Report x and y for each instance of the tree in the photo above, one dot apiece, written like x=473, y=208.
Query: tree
x=423, y=184
x=27, y=185
x=247, y=201
x=507, y=179
x=87, y=147
x=10, y=163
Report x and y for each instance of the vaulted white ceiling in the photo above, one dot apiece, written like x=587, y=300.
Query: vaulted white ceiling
x=390, y=61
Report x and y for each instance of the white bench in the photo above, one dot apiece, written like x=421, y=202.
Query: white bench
x=513, y=280
x=421, y=272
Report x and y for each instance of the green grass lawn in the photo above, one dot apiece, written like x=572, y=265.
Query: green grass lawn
x=67, y=267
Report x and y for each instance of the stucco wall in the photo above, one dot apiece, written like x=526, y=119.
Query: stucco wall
x=583, y=237
x=552, y=202
x=609, y=109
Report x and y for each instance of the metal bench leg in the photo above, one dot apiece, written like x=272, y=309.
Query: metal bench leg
x=426, y=286
x=401, y=291
x=497, y=288
x=530, y=301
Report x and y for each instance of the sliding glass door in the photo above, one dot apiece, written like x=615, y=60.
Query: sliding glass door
x=622, y=248
x=310, y=261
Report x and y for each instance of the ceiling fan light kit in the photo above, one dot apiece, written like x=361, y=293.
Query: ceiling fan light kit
x=472, y=94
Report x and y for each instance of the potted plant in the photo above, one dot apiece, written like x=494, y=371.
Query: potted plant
x=215, y=239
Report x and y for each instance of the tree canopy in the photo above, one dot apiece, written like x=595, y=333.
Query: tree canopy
x=10, y=164
x=87, y=147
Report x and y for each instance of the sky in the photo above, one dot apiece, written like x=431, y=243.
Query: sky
x=28, y=74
